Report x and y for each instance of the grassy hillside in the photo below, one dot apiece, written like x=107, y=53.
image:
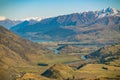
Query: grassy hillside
x=106, y=54
x=59, y=72
x=88, y=72
x=98, y=72
x=31, y=76
x=14, y=52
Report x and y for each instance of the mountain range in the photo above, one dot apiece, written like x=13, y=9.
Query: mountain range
x=8, y=23
x=101, y=26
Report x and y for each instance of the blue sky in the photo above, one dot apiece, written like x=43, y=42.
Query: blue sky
x=18, y=9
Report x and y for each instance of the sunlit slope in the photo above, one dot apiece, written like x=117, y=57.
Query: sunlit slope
x=14, y=52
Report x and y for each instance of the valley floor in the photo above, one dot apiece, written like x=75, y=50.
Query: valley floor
x=61, y=65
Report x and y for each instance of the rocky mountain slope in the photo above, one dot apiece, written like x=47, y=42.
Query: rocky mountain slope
x=93, y=26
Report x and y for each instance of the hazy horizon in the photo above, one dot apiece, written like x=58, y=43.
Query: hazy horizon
x=19, y=9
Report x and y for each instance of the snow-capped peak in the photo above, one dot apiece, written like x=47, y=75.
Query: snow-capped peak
x=32, y=18
x=2, y=18
x=107, y=12
x=110, y=10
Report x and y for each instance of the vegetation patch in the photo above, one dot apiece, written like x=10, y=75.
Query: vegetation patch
x=42, y=64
